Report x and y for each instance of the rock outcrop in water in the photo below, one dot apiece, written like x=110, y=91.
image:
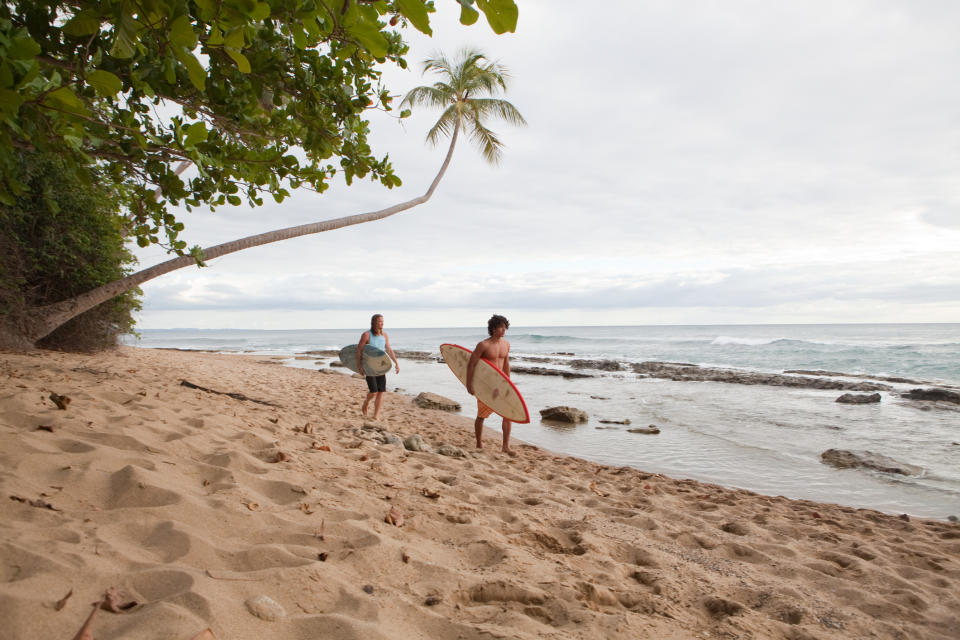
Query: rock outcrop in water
x=933, y=395
x=544, y=371
x=602, y=365
x=689, y=372
x=564, y=414
x=843, y=459
x=853, y=398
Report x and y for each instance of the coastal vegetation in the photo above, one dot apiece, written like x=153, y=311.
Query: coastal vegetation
x=260, y=98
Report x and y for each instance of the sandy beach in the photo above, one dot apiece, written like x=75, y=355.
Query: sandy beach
x=262, y=505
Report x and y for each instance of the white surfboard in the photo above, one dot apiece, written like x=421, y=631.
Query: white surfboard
x=490, y=385
x=376, y=362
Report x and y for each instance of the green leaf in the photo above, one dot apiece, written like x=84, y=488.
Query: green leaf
x=260, y=12
x=10, y=102
x=208, y=8
x=6, y=75
x=242, y=63
x=234, y=38
x=405, y=113
x=501, y=14
x=125, y=44
x=74, y=142
x=416, y=12
x=368, y=35
x=216, y=37
x=196, y=132
x=468, y=15
x=299, y=38
x=22, y=47
x=234, y=200
x=84, y=23
x=65, y=98
x=104, y=82
x=182, y=34
x=198, y=75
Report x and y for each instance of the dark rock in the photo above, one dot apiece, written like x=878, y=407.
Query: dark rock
x=624, y=421
x=821, y=372
x=651, y=430
x=427, y=400
x=851, y=398
x=690, y=372
x=602, y=365
x=543, y=371
x=933, y=395
x=564, y=414
x=843, y=459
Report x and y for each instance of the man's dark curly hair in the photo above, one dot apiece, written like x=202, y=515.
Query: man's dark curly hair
x=496, y=321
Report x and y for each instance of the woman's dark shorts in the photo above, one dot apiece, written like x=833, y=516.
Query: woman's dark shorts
x=377, y=384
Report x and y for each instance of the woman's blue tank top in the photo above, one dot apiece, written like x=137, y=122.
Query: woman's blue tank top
x=380, y=342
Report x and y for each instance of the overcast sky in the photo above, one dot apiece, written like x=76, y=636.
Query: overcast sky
x=685, y=163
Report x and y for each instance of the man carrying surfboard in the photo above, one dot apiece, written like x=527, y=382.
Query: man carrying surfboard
x=497, y=351
x=376, y=385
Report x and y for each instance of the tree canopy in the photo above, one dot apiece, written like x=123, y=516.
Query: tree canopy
x=261, y=96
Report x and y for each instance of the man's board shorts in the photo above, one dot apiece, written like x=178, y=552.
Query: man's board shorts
x=377, y=384
x=483, y=411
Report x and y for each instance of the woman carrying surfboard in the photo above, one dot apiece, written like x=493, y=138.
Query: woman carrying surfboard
x=376, y=385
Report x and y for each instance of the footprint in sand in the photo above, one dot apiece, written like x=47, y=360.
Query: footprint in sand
x=132, y=487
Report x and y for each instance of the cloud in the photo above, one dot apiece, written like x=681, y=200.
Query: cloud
x=754, y=155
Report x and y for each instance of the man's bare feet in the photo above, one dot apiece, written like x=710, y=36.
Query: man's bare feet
x=510, y=452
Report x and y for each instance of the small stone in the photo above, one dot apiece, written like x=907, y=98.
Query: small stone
x=651, y=430
x=368, y=588
x=432, y=601
x=389, y=438
x=416, y=443
x=451, y=451
x=427, y=400
x=265, y=608
x=564, y=414
x=953, y=518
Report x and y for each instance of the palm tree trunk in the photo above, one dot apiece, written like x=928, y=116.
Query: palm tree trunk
x=41, y=321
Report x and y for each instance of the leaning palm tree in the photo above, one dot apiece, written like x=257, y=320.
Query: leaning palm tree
x=466, y=81
x=461, y=92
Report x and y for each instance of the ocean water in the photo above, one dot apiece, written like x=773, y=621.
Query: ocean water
x=766, y=439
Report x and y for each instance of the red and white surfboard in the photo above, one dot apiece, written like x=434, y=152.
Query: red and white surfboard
x=490, y=385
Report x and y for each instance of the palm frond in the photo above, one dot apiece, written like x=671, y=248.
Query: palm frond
x=443, y=126
x=426, y=96
x=486, y=141
x=492, y=107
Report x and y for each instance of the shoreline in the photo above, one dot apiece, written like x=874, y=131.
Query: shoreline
x=893, y=482
x=182, y=498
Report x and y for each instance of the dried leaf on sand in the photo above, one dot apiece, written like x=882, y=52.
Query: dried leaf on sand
x=394, y=517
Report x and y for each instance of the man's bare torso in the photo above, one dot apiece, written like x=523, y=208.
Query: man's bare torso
x=495, y=350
